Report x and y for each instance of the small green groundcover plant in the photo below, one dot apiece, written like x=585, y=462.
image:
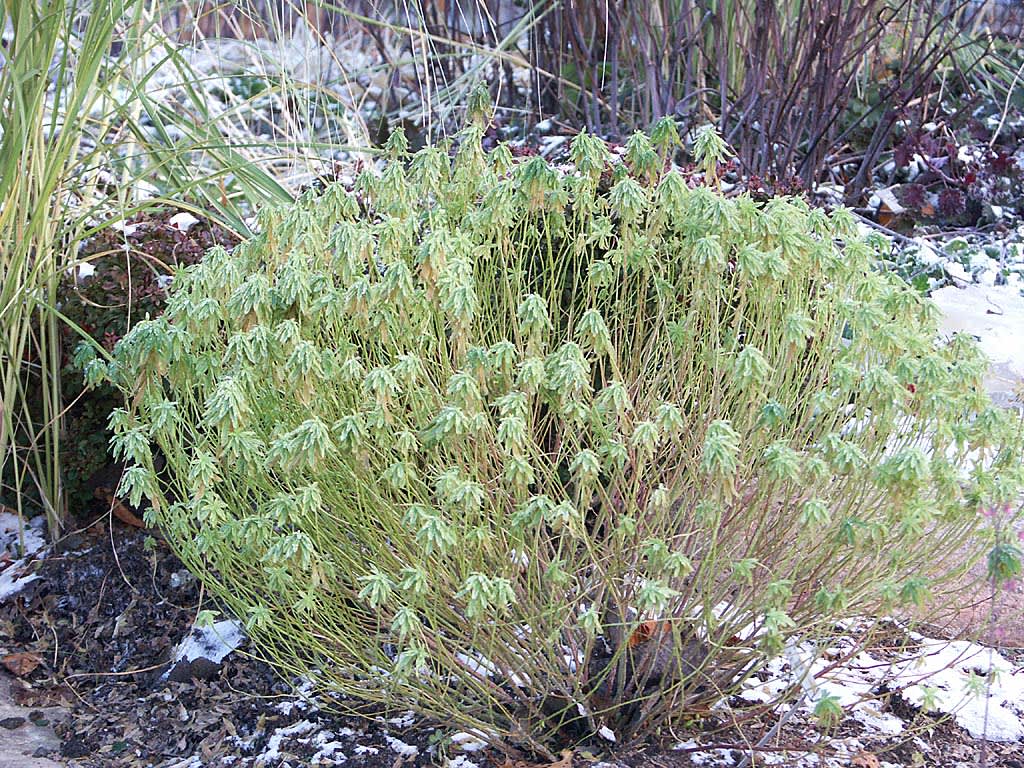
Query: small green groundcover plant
x=554, y=452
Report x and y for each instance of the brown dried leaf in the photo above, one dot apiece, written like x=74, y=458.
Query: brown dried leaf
x=21, y=664
x=117, y=507
x=24, y=695
x=864, y=759
x=646, y=630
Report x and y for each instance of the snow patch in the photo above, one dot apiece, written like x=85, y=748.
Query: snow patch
x=993, y=314
x=403, y=721
x=273, y=750
x=478, y=666
x=400, y=747
x=983, y=691
x=469, y=741
x=213, y=643
x=870, y=715
x=978, y=687
x=329, y=753
x=125, y=229
x=958, y=272
x=11, y=531
x=182, y=221
x=13, y=578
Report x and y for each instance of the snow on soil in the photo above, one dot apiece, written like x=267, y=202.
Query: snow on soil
x=401, y=748
x=468, y=741
x=273, y=750
x=19, y=547
x=977, y=281
x=214, y=642
x=182, y=221
x=981, y=689
x=10, y=535
x=994, y=314
x=976, y=686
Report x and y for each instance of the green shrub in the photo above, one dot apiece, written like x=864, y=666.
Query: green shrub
x=546, y=452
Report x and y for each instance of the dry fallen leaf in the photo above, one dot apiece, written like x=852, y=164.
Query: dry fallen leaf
x=24, y=695
x=21, y=664
x=121, y=512
x=646, y=630
x=864, y=760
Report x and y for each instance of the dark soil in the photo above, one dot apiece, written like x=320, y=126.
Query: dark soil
x=103, y=620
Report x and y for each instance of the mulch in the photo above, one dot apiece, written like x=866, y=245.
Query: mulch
x=101, y=624
x=98, y=628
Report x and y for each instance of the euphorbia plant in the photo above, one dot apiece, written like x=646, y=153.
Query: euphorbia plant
x=549, y=452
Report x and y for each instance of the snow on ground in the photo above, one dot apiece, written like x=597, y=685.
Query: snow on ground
x=401, y=748
x=330, y=752
x=983, y=690
x=10, y=535
x=273, y=750
x=182, y=221
x=994, y=314
x=19, y=546
x=977, y=282
x=214, y=642
x=468, y=741
x=977, y=686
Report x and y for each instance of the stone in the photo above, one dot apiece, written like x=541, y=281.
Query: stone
x=28, y=735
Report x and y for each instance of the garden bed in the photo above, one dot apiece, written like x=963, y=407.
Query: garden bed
x=92, y=633
x=98, y=626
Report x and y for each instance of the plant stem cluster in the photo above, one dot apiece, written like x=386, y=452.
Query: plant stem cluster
x=551, y=451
